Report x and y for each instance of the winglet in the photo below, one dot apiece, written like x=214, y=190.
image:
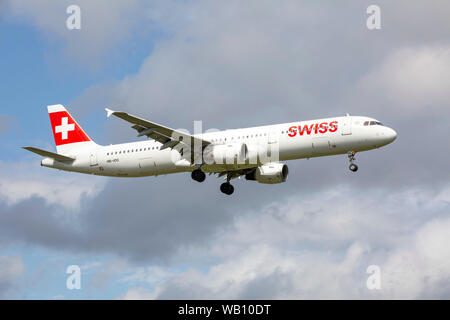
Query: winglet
x=109, y=112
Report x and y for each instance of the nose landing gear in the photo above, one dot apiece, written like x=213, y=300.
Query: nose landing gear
x=351, y=157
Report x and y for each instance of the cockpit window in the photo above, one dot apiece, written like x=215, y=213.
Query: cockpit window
x=373, y=123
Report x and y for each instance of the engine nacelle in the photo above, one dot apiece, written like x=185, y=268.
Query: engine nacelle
x=269, y=173
x=226, y=154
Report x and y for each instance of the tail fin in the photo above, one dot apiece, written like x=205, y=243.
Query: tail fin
x=68, y=134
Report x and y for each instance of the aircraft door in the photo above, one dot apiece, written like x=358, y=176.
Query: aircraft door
x=272, y=138
x=347, y=126
x=273, y=147
x=93, y=159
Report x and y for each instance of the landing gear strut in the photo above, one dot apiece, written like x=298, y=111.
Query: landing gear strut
x=351, y=157
x=198, y=175
x=227, y=188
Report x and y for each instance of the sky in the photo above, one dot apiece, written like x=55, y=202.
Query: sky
x=230, y=64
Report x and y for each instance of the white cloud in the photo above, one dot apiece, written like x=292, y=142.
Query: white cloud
x=222, y=59
x=104, y=24
x=242, y=64
x=23, y=180
x=137, y=294
x=421, y=268
x=412, y=78
x=320, y=247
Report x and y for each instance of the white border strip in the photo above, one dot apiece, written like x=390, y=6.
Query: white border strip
x=56, y=108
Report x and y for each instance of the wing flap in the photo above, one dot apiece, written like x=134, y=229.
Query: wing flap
x=48, y=154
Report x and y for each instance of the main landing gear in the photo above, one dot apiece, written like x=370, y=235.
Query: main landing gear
x=227, y=188
x=351, y=157
x=198, y=175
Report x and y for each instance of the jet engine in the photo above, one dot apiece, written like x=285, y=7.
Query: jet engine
x=269, y=173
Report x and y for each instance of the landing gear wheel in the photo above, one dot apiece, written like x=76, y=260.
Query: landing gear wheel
x=198, y=175
x=351, y=157
x=227, y=188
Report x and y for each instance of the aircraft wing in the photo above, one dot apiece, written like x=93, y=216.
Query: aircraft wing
x=48, y=154
x=167, y=136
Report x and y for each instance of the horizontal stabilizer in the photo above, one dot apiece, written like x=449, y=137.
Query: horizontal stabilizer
x=48, y=154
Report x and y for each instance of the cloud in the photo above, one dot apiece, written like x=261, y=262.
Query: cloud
x=236, y=65
x=137, y=294
x=226, y=59
x=104, y=25
x=104, y=273
x=20, y=181
x=320, y=247
x=11, y=271
x=272, y=59
x=414, y=79
x=152, y=274
x=421, y=268
x=136, y=224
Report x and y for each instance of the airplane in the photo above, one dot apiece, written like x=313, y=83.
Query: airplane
x=255, y=153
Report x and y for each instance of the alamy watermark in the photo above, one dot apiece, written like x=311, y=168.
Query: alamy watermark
x=373, y=21
x=374, y=280
x=73, y=21
x=229, y=147
x=73, y=281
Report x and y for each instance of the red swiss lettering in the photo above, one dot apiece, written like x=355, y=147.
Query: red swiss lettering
x=292, y=131
x=323, y=127
x=305, y=128
x=318, y=128
x=333, y=126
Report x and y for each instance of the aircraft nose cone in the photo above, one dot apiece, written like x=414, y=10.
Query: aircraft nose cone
x=391, y=135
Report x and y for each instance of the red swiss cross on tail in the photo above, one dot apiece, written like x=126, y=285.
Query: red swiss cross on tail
x=65, y=129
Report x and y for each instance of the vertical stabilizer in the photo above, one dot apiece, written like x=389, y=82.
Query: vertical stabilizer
x=68, y=134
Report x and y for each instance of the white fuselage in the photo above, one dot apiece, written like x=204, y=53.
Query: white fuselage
x=322, y=137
